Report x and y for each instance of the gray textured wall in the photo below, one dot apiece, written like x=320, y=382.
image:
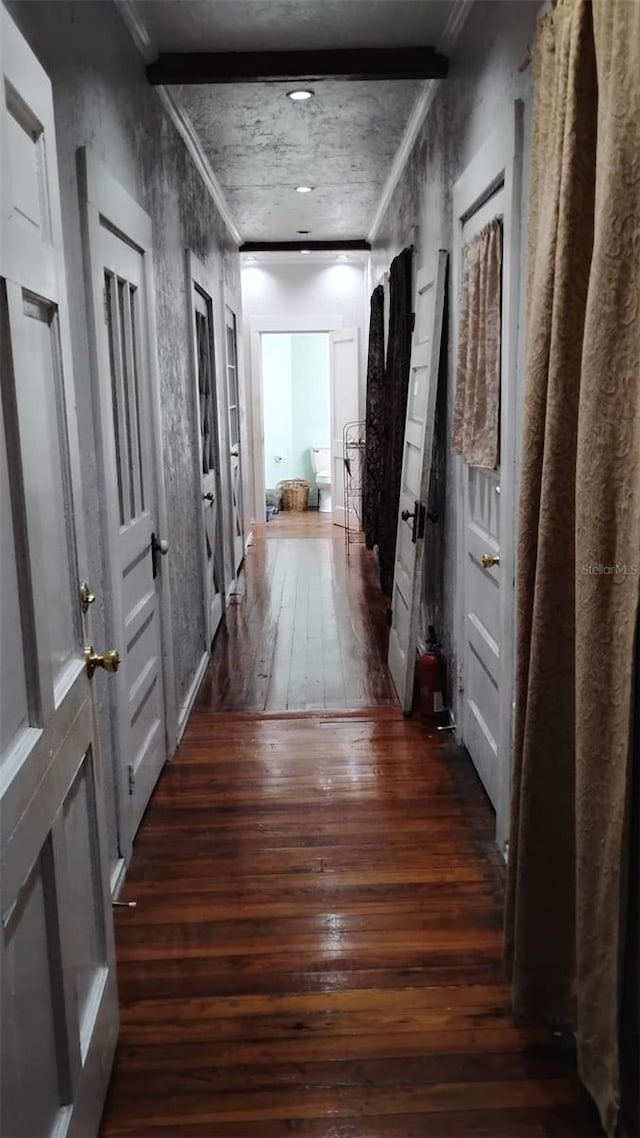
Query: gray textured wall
x=483, y=82
x=102, y=101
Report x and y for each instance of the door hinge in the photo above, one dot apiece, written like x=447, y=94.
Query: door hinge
x=132, y=779
x=105, y=304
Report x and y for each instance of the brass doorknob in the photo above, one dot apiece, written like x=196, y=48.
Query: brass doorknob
x=406, y=514
x=209, y=496
x=109, y=661
x=489, y=559
x=235, y=453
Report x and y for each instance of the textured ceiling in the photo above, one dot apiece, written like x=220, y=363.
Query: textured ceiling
x=281, y=25
x=261, y=145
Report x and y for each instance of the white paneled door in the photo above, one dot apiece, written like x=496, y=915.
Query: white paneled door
x=480, y=697
x=345, y=408
x=416, y=469
x=235, y=455
x=490, y=188
x=59, y=999
x=118, y=243
x=209, y=454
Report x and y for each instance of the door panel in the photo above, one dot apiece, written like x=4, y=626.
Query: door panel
x=123, y=381
x=59, y=1001
x=235, y=455
x=345, y=408
x=416, y=468
x=480, y=698
x=34, y=332
x=213, y=567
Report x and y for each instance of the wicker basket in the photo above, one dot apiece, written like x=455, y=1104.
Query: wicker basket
x=295, y=494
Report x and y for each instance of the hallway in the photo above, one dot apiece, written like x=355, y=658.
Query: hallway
x=317, y=943
x=305, y=633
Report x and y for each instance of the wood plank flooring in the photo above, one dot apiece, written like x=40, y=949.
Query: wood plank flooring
x=317, y=946
x=308, y=631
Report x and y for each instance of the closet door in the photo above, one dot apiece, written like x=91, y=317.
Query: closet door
x=209, y=455
x=416, y=469
x=235, y=453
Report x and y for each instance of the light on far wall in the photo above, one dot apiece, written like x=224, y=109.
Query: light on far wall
x=304, y=189
x=300, y=96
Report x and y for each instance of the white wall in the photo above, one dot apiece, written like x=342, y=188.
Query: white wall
x=278, y=407
x=284, y=296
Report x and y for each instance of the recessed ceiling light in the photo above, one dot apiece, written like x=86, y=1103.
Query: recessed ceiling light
x=305, y=252
x=304, y=189
x=342, y=257
x=300, y=96
x=251, y=260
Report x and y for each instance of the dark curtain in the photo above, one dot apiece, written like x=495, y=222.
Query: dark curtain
x=374, y=434
x=396, y=386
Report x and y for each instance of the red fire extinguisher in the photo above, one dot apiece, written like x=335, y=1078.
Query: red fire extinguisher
x=430, y=680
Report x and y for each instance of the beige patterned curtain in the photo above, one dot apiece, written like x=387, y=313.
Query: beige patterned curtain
x=578, y=583
x=476, y=412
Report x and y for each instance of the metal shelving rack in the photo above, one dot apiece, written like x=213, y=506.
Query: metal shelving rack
x=353, y=452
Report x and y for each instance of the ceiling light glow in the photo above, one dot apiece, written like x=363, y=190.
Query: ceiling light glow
x=300, y=96
x=305, y=252
x=304, y=189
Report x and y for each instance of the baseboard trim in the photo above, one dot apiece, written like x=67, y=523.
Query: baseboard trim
x=190, y=698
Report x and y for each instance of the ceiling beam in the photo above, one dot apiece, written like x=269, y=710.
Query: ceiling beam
x=297, y=66
x=312, y=246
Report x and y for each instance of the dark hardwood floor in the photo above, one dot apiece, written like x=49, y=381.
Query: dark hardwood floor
x=317, y=946
x=308, y=631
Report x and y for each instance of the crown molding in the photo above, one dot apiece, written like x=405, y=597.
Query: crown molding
x=457, y=19
x=185, y=128
x=137, y=28
x=458, y=16
x=412, y=130
x=141, y=38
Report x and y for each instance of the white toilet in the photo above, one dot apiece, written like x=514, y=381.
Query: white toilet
x=321, y=463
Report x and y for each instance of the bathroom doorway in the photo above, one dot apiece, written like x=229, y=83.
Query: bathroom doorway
x=296, y=408
x=307, y=386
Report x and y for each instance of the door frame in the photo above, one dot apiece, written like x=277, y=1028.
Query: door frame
x=498, y=161
x=232, y=300
x=101, y=196
x=198, y=280
x=258, y=326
